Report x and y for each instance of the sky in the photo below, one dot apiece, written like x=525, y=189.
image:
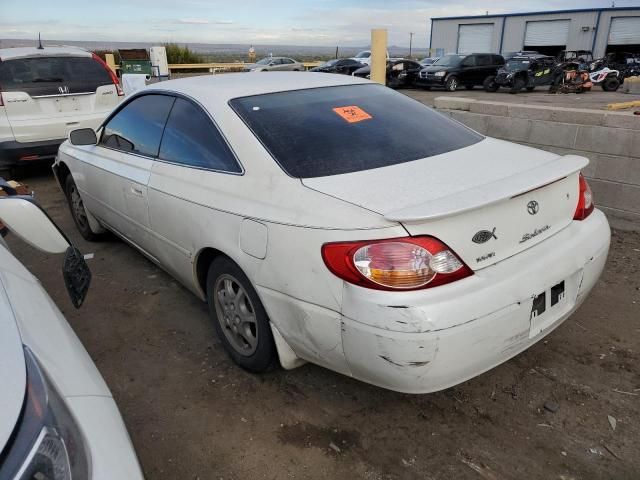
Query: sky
x=278, y=22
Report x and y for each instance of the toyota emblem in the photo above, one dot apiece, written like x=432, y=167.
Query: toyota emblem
x=533, y=207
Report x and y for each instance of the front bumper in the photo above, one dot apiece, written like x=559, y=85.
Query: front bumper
x=430, y=81
x=424, y=345
x=107, y=440
x=13, y=153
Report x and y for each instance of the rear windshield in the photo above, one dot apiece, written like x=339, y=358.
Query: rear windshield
x=334, y=130
x=52, y=75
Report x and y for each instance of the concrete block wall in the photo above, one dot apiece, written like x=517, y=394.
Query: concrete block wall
x=610, y=140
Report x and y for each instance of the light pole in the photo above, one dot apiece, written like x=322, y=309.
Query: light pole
x=410, y=42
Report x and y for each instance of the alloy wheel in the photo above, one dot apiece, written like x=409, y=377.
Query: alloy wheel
x=236, y=315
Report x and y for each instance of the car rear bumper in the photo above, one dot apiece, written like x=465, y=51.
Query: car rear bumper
x=14, y=153
x=429, y=340
x=466, y=330
x=111, y=450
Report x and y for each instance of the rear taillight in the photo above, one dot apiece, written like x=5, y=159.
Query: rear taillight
x=407, y=263
x=585, y=200
x=112, y=74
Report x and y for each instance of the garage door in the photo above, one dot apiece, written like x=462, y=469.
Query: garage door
x=550, y=32
x=624, y=31
x=475, y=38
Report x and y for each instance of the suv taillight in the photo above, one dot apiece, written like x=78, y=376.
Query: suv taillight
x=407, y=263
x=585, y=200
x=114, y=77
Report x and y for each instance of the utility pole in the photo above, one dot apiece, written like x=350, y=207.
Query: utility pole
x=411, y=34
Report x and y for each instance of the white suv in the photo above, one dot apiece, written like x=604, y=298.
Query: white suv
x=44, y=94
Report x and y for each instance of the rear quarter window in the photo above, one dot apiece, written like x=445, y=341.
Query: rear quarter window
x=335, y=130
x=44, y=75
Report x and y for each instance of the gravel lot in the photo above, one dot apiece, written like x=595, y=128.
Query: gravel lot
x=192, y=414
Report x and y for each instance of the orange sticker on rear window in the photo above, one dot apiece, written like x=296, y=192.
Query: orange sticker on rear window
x=352, y=114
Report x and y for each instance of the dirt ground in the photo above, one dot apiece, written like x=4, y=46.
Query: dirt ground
x=192, y=414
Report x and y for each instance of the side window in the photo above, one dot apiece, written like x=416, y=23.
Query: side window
x=484, y=60
x=137, y=128
x=469, y=61
x=287, y=61
x=191, y=139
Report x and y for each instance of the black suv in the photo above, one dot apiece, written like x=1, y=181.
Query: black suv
x=452, y=71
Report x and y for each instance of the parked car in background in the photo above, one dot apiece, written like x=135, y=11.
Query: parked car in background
x=58, y=419
x=401, y=73
x=365, y=57
x=330, y=219
x=44, y=94
x=275, y=64
x=453, y=71
x=345, y=66
x=523, y=72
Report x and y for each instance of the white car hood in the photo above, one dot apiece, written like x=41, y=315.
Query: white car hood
x=13, y=376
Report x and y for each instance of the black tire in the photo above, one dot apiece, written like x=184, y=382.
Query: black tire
x=256, y=358
x=452, y=83
x=469, y=87
x=530, y=89
x=610, y=84
x=78, y=211
x=518, y=84
x=490, y=84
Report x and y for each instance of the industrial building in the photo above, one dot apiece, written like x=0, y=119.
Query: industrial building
x=601, y=30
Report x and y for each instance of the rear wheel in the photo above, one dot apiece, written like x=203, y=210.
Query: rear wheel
x=78, y=211
x=490, y=84
x=518, y=84
x=239, y=318
x=610, y=84
x=451, y=84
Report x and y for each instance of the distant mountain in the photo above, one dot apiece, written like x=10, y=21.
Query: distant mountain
x=205, y=49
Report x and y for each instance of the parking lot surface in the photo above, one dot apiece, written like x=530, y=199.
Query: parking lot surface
x=193, y=414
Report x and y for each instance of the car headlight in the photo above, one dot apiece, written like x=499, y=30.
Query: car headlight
x=440, y=74
x=47, y=443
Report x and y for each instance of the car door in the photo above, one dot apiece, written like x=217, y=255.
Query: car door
x=277, y=65
x=484, y=68
x=467, y=73
x=193, y=155
x=117, y=172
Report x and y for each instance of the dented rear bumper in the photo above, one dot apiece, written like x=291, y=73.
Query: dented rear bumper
x=424, y=341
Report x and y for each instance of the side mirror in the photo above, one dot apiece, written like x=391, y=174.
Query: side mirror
x=83, y=136
x=28, y=221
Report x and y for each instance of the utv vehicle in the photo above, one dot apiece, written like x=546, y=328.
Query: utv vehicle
x=521, y=72
x=577, y=56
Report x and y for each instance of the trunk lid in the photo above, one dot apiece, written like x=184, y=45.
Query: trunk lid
x=487, y=201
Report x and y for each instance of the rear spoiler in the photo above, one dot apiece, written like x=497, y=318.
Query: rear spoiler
x=490, y=193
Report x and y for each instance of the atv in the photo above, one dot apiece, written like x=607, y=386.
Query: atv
x=609, y=80
x=522, y=72
x=570, y=78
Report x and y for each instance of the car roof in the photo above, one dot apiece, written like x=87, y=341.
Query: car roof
x=226, y=86
x=33, y=52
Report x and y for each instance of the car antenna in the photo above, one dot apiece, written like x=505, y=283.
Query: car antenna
x=40, y=47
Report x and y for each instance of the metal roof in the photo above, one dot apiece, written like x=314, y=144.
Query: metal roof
x=547, y=12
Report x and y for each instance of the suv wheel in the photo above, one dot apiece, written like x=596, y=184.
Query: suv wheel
x=239, y=318
x=78, y=211
x=451, y=84
x=518, y=84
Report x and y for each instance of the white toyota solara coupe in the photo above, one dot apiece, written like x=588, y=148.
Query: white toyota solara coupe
x=330, y=219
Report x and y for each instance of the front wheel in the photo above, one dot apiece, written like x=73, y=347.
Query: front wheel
x=610, y=84
x=78, y=212
x=490, y=84
x=239, y=318
x=451, y=84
